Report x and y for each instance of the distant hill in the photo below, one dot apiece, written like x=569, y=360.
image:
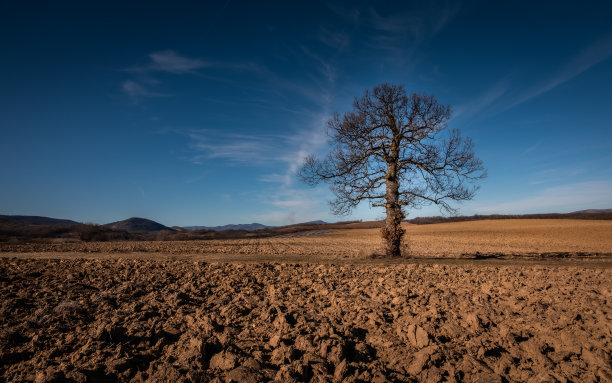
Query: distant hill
x=318, y=222
x=137, y=225
x=250, y=226
x=597, y=214
x=592, y=211
x=242, y=226
x=36, y=220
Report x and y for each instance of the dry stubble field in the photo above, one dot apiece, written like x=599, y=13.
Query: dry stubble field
x=446, y=240
x=533, y=305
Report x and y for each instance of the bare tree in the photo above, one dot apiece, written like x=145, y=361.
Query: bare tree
x=393, y=151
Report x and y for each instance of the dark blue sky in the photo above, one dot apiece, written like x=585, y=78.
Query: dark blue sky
x=200, y=114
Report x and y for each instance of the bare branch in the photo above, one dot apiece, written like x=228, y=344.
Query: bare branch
x=391, y=150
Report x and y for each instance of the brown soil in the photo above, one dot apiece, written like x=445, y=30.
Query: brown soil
x=131, y=318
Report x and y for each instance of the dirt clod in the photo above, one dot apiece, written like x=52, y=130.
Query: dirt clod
x=223, y=361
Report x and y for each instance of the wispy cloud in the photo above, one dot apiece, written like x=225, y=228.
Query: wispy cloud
x=350, y=13
x=396, y=24
x=171, y=62
x=411, y=28
x=165, y=61
x=286, y=199
x=242, y=149
x=592, y=55
x=336, y=39
x=137, y=91
x=499, y=97
x=325, y=67
x=483, y=101
x=556, y=174
x=532, y=147
x=398, y=34
x=289, y=206
x=443, y=15
x=260, y=150
x=303, y=143
x=278, y=157
x=278, y=217
x=262, y=83
x=275, y=158
x=574, y=196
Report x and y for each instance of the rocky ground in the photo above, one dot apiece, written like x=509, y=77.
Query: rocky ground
x=162, y=320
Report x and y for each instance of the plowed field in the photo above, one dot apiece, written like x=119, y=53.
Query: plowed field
x=534, y=307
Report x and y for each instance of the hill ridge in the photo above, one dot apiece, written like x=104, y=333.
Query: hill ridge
x=137, y=225
x=37, y=220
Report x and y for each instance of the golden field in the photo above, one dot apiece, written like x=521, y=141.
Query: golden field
x=519, y=237
x=511, y=237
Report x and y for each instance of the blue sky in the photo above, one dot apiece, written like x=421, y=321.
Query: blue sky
x=200, y=114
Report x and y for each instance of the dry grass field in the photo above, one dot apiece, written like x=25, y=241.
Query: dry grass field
x=517, y=237
x=482, y=301
x=445, y=240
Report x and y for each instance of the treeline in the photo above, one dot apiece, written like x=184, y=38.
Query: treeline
x=478, y=217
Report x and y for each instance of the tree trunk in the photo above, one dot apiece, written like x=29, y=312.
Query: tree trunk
x=392, y=231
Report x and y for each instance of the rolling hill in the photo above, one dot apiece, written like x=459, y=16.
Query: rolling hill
x=137, y=225
x=36, y=220
x=592, y=211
